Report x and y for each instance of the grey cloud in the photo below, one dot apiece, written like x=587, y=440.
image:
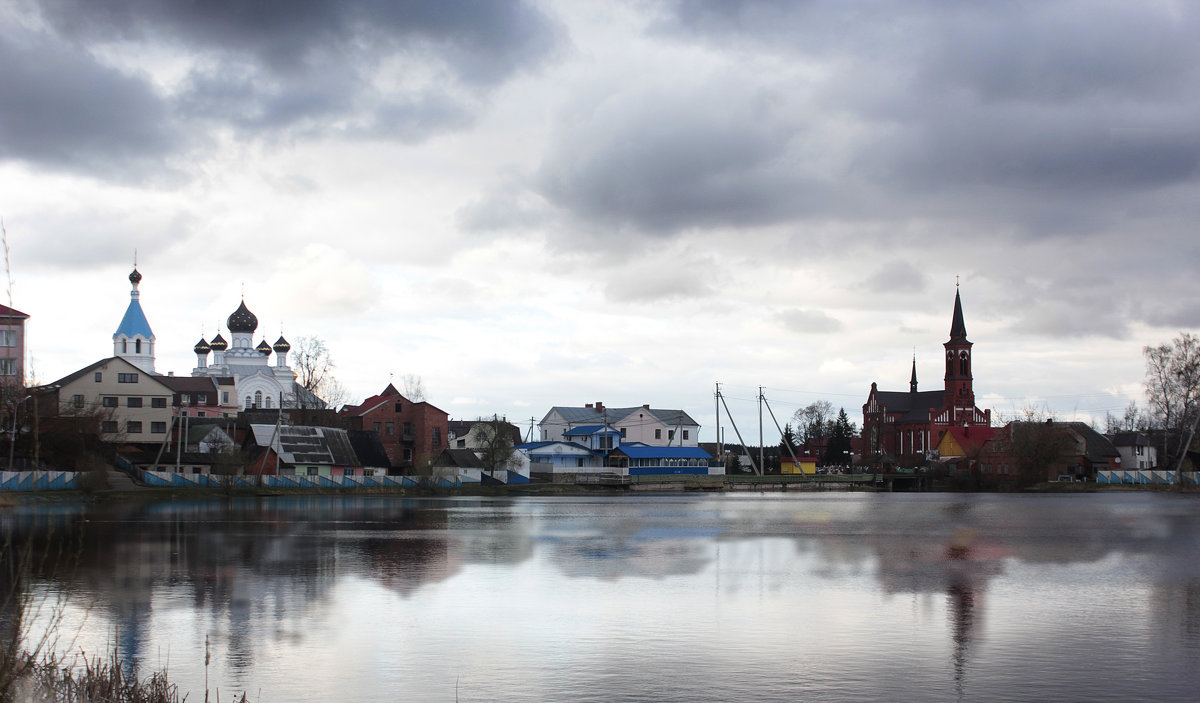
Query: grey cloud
x=62, y=109
x=808, y=321
x=640, y=286
x=661, y=160
x=897, y=277
x=402, y=70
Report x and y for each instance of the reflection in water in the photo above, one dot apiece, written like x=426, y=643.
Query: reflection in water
x=635, y=597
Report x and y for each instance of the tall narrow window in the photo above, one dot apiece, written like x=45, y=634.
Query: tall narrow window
x=137, y=346
x=257, y=398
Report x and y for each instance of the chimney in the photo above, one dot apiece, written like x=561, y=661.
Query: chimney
x=588, y=405
x=646, y=406
x=599, y=405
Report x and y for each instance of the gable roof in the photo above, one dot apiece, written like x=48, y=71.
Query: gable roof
x=969, y=438
x=914, y=407
x=462, y=458
x=102, y=364
x=6, y=311
x=594, y=416
x=298, y=444
x=590, y=430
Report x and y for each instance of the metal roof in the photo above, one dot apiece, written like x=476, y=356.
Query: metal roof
x=134, y=323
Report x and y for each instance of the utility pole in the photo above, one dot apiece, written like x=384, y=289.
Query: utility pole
x=760, y=430
x=720, y=447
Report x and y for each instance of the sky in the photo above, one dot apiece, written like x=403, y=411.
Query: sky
x=530, y=204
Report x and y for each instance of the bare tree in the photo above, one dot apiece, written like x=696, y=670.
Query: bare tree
x=1173, y=389
x=314, y=370
x=814, y=421
x=414, y=387
x=1134, y=419
x=494, y=441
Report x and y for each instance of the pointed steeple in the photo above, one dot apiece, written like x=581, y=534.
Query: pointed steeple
x=912, y=382
x=958, y=328
x=134, y=340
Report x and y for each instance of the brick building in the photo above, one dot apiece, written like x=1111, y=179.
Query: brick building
x=903, y=428
x=412, y=434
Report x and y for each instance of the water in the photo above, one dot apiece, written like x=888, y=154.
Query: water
x=773, y=597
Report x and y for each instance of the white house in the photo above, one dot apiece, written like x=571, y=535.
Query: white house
x=1136, y=450
x=651, y=426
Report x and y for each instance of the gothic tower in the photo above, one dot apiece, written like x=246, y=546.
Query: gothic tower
x=960, y=393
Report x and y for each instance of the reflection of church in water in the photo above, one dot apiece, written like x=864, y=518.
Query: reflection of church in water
x=257, y=382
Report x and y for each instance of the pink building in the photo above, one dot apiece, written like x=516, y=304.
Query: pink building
x=12, y=346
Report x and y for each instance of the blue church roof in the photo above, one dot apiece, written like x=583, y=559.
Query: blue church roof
x=134, y=323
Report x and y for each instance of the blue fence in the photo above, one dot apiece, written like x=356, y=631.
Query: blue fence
x=1145, y=477
x=38, y=480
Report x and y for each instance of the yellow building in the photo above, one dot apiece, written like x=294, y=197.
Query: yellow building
x=803, y=465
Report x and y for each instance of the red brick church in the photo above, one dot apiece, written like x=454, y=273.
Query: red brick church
x=901, y=428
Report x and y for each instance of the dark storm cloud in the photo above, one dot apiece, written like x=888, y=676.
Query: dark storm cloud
x=1042, y=115
x=285, y=68
x=666, y=159
x=61, y=108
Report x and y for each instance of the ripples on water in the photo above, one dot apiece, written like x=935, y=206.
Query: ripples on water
x=821, y=597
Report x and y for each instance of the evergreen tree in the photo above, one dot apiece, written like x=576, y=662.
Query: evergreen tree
x=787, y=443
x=838, y=449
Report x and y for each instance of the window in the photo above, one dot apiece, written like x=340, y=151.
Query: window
x=108, y=426
x=658, y=434
x=200, y=414
x=77, y=400
x=8, y=367
x=109, y=401
x=98, y=376
x=8, y=338
x=579, y=462
x=437, y=436
x=312, y=471
x=257, y=398
x=685, y=435
x=408, y=428
x=202, y=398
x=133, y=427
x=248, y=403
x=158, y=402
x=390, y=428
x=137, y=346
x=224, y=396
x=127, y=378
x=623, y=433
x=133, y=402
x=378, y=427
x=185, y=399
x=670, y=434
x=407, y=454
x=124, y=346
x=158, y=428
x=267, y=402
x=398, y=406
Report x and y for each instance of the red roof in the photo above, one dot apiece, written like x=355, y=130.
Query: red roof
x=970, y=438
x=6, y=311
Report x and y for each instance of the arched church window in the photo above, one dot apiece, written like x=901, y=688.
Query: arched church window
x=248, y=404
x=962, y=363
x=124, y=346
x=257, y=398
x=137, y=346
x=267, y=402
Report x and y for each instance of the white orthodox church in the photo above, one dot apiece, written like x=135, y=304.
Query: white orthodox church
x=257, y=383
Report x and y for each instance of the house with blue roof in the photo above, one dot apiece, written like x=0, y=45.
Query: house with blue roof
x=642, y=460
x=652, y=426
x=548, y=459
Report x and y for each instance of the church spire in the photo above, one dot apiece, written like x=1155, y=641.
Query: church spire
x=912, y=382
x=958, y=328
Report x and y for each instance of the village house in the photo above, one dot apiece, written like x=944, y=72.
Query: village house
x=644, y=424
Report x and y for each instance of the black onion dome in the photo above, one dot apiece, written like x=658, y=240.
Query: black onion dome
x=281, y=345
x=202, y=347
x=218, y=343
x=242, y=320
x=135, y=277
x=264, y=347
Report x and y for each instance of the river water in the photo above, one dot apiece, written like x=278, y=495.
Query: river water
x=727, y=597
